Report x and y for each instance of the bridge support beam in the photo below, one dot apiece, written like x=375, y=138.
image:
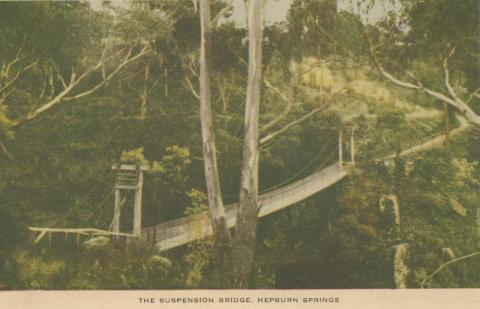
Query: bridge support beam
x=116, y=212
x=352, y=147
x=478, y=227
x=128, y=178
x=137, y=212
x=340, y=147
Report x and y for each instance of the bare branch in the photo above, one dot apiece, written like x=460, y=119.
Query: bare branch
x=57, y=99
x=62, y=80
x=329, y=102
x=286, y=111
x=192, y=89
x=9, y=65
x=5, y=95
x=191, y=65
x=450, y=89
x=430, y=277
x=104, y=59
x=128, y=59
x=220, y=14
x=5, y=151
x=456, y=102
x=475, y=94
x=389, y=76
x=242, y=60
x=75, y=81
x=270, y=86
x=17, y=76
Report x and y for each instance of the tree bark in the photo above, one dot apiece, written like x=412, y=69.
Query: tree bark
x=244, y=238
x=217, y=211
x=234, y=255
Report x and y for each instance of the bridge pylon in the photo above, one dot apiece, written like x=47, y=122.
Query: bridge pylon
x=128, y=177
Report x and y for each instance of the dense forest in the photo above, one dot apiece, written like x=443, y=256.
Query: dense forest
x=222, y=111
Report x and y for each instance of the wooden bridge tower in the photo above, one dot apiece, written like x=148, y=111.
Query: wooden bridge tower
x=129, y=178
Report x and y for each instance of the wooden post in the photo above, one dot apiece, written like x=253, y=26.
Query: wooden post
x=137, y=213
x=352, y=146
x=478, y=227
x=340, y=147
x=117, y=212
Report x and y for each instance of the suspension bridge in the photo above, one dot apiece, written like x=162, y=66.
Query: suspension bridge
x=181, y=231
x=178, y=232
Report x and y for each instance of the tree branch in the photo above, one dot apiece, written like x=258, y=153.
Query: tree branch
x=5, y=151
x=128, y=59
x=449, y=87
x=192, y=89
x=330, y=101
x=430, y=277
x=5, y=95
x=220, y=14
x=74, y=82
x=459, y=104
x=475, y=94
x=285, y=112
x=19, y=73
x=6, y=68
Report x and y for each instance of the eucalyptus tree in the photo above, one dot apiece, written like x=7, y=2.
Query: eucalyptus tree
x=36, y=66
x=235, y=252
x=431, y=47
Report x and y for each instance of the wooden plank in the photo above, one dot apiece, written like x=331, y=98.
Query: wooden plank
x=130, y=167
x=173, y=236
x=125, y=187
x=40, y=236
x=78, y=231
x=181, y=231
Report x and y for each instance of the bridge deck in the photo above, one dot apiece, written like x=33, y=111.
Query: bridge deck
x=181, y=231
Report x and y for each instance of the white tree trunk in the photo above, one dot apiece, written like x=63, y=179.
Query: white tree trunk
x=243, y=248
x=215, y=201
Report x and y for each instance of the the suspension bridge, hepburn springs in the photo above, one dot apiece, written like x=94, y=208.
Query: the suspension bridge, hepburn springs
x=178, y=232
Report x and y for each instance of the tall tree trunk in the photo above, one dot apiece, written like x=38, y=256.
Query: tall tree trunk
x=243, y=248
x=216, y=207
x=144, y=94
x=234, y=256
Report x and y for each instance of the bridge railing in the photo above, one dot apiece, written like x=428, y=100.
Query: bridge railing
x=183, y=230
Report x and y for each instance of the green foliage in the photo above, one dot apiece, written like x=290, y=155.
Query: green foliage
x=199, y=204
x=167, y=185
x=136, y=266
x=56, y=170
x=134, y=156
x=33, y=271
x=199, y=255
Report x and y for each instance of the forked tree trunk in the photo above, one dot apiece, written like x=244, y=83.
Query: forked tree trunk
x=234, y=256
